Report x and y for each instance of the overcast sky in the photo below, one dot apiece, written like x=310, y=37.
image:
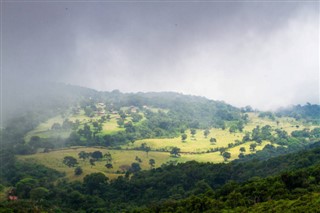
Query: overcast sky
x=264, y=54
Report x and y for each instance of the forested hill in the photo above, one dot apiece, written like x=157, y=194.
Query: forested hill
x=50, y=98
x=310, y=112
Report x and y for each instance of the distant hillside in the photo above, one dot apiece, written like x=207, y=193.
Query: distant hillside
x=308, y=112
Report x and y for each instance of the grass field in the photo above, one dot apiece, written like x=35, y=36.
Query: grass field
x=54, y=160
x=198, y=143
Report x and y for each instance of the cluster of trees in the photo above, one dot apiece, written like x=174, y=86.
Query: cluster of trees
x=91, y=156
x=308, y=113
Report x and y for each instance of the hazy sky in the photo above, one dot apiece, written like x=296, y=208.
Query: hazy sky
x=264, y=54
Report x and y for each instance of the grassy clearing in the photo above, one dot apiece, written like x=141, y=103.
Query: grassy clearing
x=44, y=129
x=285, y=123
x=235, y=151
x=198, y=143
x=54, y=160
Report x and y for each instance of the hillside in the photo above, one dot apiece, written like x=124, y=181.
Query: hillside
x=152, y=148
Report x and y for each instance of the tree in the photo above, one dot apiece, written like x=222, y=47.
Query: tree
x=222, y=150
x=241, y=155
x=87, y=133
x=175, y=151
x=152, y=162
x=226, y=155
x=95, y=183
x=206, y=133
x=109, y=166
x=83, y=155
x=233, y=128
x=70, y=161
x=147, y=150
x=138, y=159
x=253, y=147
x=97, y=155
x=213, y=140
x=108, y=157
x=92, y=162
x=136, y=117
x=120, y=122
x=193, y=132
x=135, y=167
x=97, y=126
x=242, y=149
x=184, y=137
x=240, y=126
x=78, y=171
x=24, y=187
x=246, y=137
x=129, y=127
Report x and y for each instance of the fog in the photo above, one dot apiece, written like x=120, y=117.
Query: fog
x=263, y=54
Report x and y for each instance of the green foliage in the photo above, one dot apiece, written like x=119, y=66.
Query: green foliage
x=308, y=112
x=135, y=167
x=184, y=137
x=152, y=162
x=39, y=193
x=97, y=155
x=226, y=155
x=95, y=183
x=175, y=151
x=78, y=171
x=206, y=132
x=213, y=140
x=70, y=161
x=24, y=187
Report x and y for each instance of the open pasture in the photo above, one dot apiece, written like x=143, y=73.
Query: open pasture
x=121, y=158
x=198, y=143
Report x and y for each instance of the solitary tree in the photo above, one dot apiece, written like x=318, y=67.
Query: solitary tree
x=78, y=171
x=206, y=133
x=97, y=155
x=109, y=165
x=222, y=150
x=213, y=140
x=193, y=132
x=83, y=155
x=175, y=151
x=152, y=162
x=70, y=161
x=138, y=159
x=92, y=162
x=226, y=155
x=184, y=137
x=242, y=149
x=108, y=157
x=147, y=149
x=135, y=167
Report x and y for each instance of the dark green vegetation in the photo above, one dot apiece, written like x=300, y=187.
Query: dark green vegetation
x=283, y=176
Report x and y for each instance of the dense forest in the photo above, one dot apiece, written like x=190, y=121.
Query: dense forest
x=282, y=176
